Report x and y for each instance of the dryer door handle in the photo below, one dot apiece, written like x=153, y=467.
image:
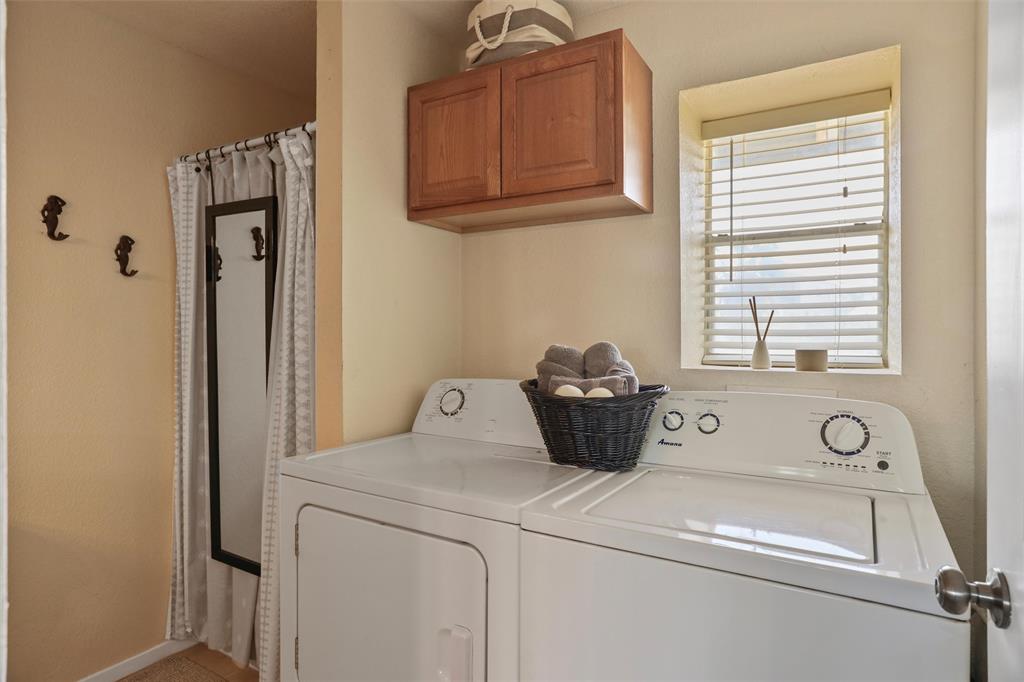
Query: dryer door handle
x=455, y=654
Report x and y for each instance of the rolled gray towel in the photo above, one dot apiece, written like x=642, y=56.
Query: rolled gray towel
x=566, y=356
x=617, y=385
x=599, y=358
x=625, y=370
x=547, y=369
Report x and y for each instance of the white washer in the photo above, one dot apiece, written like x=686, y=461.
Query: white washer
x=400, y=556
x=775, y=537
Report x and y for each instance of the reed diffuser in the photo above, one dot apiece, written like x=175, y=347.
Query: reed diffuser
x=760, y=358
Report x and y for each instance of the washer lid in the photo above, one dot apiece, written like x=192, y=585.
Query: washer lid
x=807, y=520
x=470, y=477
x=873, y=545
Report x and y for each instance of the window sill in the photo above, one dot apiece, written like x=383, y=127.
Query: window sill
x=845, y=371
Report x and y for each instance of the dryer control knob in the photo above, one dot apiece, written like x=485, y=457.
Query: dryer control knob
x=452, y=401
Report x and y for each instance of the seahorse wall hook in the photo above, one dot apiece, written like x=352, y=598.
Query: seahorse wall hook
x=258, y=243
x=122, y=252
x=51, y=211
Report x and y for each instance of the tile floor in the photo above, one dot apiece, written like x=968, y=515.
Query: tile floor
x=217, y=664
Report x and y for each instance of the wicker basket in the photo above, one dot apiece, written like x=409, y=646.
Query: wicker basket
x=595, y=433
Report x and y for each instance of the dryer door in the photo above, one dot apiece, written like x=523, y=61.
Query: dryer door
x=377, y=602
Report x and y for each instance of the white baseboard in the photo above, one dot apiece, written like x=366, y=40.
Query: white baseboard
x=140, y=661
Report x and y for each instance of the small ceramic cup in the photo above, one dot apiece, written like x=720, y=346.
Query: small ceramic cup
x=760, y=359
x=812, y=360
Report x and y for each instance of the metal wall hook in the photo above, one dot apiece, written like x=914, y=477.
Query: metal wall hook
x=122, y=252
x=50, y=212
x=258, y=243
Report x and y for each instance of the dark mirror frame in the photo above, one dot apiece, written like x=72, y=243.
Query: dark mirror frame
x=269, y=206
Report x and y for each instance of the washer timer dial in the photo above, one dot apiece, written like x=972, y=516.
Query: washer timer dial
x=673, y=420
x=845, y=434
x=452, y=401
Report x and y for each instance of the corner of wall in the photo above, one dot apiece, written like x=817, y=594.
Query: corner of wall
x=329, y=396
x=979, y=661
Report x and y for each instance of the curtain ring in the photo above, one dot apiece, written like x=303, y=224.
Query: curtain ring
x=235, y=145
x=245, y=143
x=304, y=128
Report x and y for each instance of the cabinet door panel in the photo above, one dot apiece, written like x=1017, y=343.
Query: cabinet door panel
x=559, y=121
x=455, y=140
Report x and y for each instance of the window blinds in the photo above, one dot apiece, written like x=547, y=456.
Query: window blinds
x=797, y=216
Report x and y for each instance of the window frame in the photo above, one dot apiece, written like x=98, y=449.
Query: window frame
x=794, y=116
x=771, y=93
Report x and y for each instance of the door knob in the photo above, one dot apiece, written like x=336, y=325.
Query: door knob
x=956, y=594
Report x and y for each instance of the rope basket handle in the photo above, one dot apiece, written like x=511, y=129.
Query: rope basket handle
x=501, y=37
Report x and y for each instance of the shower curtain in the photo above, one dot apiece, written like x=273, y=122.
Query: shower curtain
x=211, y=601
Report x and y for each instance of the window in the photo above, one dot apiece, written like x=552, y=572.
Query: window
x=797, y=215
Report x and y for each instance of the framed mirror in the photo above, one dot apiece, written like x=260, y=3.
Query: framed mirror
x=241, y=262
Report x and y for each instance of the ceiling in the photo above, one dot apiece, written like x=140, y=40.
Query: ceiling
x=275, y=40
x=270, y=40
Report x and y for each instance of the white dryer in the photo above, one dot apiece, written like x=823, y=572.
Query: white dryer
x=766, y=537
x=400, y=556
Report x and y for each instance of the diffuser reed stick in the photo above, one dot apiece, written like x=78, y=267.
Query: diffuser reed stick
x=752, y=302
x=760, y=358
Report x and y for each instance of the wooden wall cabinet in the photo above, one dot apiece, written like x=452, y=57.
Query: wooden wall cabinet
x=558, y=135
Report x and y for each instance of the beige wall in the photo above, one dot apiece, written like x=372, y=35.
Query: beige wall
x=619, y=279
x=328, y=224
x=401, y=287
x=96, y=111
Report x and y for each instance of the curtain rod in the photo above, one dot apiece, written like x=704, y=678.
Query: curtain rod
x=246, y=145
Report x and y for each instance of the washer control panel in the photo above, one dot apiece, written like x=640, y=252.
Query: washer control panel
x=828, y=440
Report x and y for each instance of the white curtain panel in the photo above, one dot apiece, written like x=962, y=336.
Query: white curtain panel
x=291, y=389
x=209, y=600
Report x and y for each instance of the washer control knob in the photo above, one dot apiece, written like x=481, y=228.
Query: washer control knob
x=452, y=401
x=673, y=420
x=845, y=434
x=708, y=422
